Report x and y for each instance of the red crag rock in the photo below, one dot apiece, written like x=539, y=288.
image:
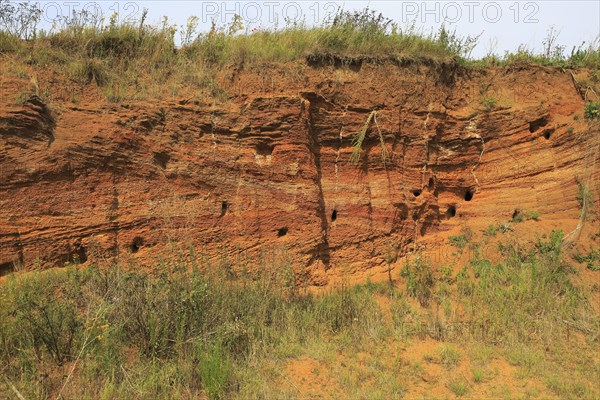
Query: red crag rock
x=269, y=169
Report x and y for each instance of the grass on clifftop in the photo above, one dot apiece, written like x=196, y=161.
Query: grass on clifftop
x=136, y=55
x=364, y=33
x=148, y=60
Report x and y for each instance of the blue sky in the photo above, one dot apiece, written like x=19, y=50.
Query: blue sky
x=503, y=25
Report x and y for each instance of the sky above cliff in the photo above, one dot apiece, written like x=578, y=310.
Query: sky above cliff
x=503, y=25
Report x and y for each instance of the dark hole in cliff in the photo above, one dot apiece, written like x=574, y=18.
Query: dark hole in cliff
x=224, y=207
x=402, y=211
x=282, y=232
x=431, y=183
x=264, y=149
x=7, y=268
x=451, y=212
x=333, y=215
x=136, y=244
x=416, y=192
x=415, y=216
x=161, y=159
x=355, y=65
x=468, y=195
x=80, y=253
x=516, y=214
x=547, y=134
x=537, y=124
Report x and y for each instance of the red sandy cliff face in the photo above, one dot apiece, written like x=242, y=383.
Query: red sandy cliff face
x=270, y=168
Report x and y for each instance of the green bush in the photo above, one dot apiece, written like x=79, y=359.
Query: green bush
x=44, y=309
x=592, y=110
x=419, y=279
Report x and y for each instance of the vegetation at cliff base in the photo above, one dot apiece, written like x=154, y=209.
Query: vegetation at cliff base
x=109, y=332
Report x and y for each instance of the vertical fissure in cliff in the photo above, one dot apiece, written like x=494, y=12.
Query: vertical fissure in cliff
x=321, y=252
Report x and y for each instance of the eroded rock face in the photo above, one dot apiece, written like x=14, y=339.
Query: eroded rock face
x=270, y=169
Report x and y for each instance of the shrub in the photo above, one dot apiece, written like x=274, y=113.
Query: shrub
x=592, y=110
x=47, y=325
x=419, y=279
x=20, y=20
x=590, y=259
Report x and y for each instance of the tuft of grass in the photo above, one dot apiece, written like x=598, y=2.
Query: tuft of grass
x=488, y=102
x=459, y=387
x=490, y=230
x=359, y=138
x=566, y=388
x=458, y=241
x=215, y=370
x=449, y=356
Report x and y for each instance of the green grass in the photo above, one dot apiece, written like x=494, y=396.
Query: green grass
x=138, y=60
x=449, y=356
x=591, y=259
x=478, y=375
x=186, y=333
x=490, y=230
x=522, y=216
x=459, y=387
x=419, y=279
x=458, y=241
x=198, y=330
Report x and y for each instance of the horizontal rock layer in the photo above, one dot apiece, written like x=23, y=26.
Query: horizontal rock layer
x=270, y=169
